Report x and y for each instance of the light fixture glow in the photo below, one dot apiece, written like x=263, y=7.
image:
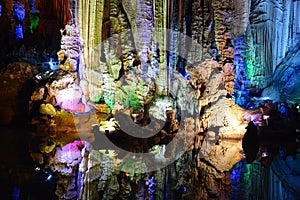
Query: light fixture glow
x=49, y=177
x=264, y=154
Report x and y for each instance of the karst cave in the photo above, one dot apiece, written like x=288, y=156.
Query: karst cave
x=150, y=99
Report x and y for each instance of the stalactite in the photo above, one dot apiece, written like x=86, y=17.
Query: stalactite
x=113, y=46
x=54, y=10
x=112, y=61
x=28, y=8
x=160, y=183
x=271, y=27
x=295, y=21
x=144, y=35
x=63, y=13
x=7, y=9
x=268, y=183
x=71, y=44
x=223, y=19
x=6, y=18
x=160, y=36
x=198, y=28
x=241, y=17
x=174, y=37
x=255, y=73
x=285, y=22
x=19, y=16
x=241, y=84
x=90, y=23
x=98, y=177
x=124, y=37
x=74, y=8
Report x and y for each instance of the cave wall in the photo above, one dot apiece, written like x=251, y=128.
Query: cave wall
x=271, y=33
x=283, y=87
x=273, y=30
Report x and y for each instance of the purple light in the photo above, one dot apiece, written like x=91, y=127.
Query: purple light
x=70, y=99
x=184, y=188
x=264, y=154
x=151, y=186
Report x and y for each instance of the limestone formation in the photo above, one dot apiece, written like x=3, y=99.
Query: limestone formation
x=14, y=82
x=134, y=85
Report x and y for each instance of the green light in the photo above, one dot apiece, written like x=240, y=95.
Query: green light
x=134, y=102
x=34, y=21
x=109, y=102
x=249, y=59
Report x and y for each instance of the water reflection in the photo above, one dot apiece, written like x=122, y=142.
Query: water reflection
x=19, y=177
x=270, y=169
x=264, y=143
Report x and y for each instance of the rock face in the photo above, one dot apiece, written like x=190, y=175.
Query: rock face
x=14, y=82
x=259, y=56
x=272, y=20
x=284, y=86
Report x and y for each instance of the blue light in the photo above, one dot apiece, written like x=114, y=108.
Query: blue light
x=187, y=76
x=184, y=188
x=19, y=32
x=151, y=186
x=49, y=177
x=265, y=98
x=52, y=65
x=16, y=193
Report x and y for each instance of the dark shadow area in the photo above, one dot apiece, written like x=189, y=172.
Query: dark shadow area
x=19, y=177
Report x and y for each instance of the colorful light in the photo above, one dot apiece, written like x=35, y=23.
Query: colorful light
x=16, y=193
x=49, y=177
x=187, y=76
x=264, y=154
x=151, y=186
x=52, y=65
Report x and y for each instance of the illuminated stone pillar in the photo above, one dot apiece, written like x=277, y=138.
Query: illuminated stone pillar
x=19, y=17
x=160, y=22
x=90, y=22
x=90, y=16
x=144, y=34
x=74, y=8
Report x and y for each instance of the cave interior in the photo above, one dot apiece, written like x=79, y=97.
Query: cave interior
x=150, y=99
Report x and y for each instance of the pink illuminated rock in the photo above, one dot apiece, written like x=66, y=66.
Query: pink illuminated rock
x=66, y=158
